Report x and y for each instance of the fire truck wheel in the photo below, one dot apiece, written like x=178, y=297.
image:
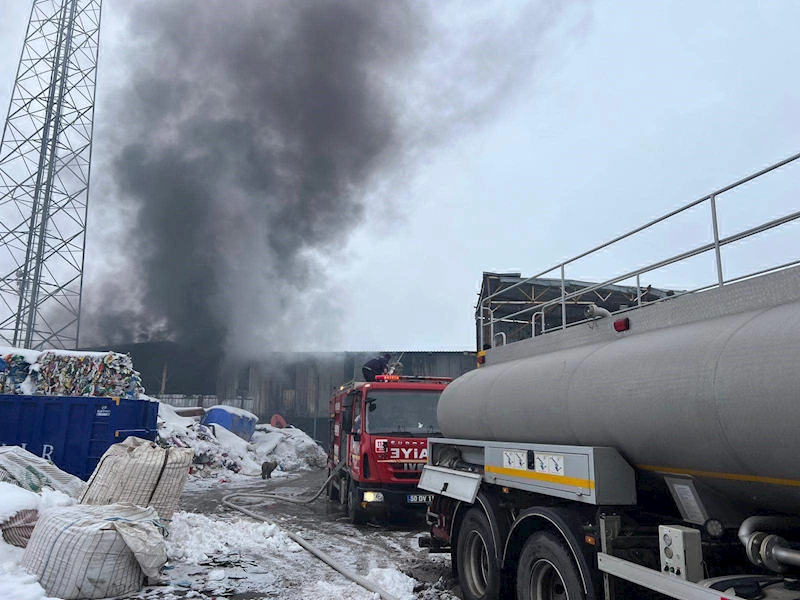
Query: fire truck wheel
x=546, y=570
x=478, y=572
x=355, y=514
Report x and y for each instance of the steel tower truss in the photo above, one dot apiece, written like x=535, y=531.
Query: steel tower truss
x=44, y=176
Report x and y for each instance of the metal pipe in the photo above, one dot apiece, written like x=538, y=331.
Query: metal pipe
x=780, y=525
x=786, y=556
x=717, y=252
x=563, y=301
x=769, y=549
x=658, y=220
x=711, y=197
x=760, y=228
x=482, y=325
x=674, y=259
x=597, y=286
x=500, y=333
x=638, y=289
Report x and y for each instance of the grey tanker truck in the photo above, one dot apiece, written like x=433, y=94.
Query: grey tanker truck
x=648, y=451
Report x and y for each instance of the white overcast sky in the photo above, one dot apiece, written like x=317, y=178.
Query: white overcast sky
x=651, y=105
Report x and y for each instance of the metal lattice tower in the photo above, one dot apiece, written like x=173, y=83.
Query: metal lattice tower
x=44, y=176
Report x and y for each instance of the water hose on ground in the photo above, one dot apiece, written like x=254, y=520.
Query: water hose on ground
x=227, y=501
x=293, y=499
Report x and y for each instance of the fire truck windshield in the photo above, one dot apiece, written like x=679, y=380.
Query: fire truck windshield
x=402, y=412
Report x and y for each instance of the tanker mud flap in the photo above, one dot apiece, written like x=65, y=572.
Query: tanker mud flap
x=499, y=523
x=569, y=528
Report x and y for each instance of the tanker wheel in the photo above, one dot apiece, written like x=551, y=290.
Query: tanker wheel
x=546, y=570
x=355, y=514
x=478, y=572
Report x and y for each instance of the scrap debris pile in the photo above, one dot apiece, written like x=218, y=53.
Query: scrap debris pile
x=65, y=373
x=15, y=365
x=217, y=451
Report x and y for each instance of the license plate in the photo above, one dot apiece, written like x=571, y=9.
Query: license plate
x=420, y=498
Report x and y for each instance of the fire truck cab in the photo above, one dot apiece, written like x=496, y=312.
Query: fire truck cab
x=381, y=430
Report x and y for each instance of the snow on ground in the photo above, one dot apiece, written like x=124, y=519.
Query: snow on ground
x=195, y=538
x=220, y=453
x=219, y=553
x=14, y=581
x=216, y=553
x=398, y=584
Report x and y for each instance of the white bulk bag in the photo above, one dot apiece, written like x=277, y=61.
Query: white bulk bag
x=20, y=467
x=86, y=552
x=142, y=473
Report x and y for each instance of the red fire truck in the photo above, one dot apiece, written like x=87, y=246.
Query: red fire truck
x=381, y=430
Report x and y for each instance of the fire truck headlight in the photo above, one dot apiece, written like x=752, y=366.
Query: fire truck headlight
x=373, y=496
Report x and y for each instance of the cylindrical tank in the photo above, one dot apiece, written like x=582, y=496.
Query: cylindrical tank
x=718, y=399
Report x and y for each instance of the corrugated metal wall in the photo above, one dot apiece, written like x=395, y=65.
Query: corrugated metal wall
x=299, y=386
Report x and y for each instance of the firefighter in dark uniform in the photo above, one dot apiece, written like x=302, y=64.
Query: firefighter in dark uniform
x=376, y=366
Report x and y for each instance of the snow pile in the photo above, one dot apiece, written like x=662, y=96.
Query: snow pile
x=14, y=499
x=66, y=373
x=391, y=580
x=15, y=582
x=195, y=538
x=20, y=510
x=217, y=450
x=292, y=448
x=168, y=416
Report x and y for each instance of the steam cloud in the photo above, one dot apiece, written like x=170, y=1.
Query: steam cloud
x=256, y=135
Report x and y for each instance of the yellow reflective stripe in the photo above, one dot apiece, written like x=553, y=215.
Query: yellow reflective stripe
x=559, y=479
x=729, y=476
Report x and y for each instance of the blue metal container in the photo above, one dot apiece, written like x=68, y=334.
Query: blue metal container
x=74, y=432
x=241, y=425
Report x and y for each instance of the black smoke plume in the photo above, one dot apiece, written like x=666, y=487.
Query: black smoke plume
x=254, y=136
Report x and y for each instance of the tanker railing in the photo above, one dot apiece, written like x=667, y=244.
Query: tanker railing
x=716, y=245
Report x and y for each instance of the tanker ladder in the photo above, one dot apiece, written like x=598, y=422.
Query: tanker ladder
x=534, y=521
